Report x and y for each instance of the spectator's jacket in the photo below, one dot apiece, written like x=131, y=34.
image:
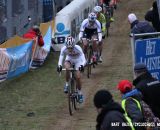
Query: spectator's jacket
x=111, y=113
x=138, y=27
x=31, y=34
x=132, y=107
x=153, y=16
x=150, y=89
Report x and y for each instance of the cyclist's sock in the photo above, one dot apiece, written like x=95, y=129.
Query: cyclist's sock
x=79, y=92
x=66, y=83
x=95, y=53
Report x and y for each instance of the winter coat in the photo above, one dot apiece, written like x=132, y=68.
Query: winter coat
x=132, y=109
x=111, y=113
x=31, y=34
x=138, y=27
x=153, y=16
x=150, y=89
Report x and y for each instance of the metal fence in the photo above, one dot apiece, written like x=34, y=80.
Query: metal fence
x=17, y=16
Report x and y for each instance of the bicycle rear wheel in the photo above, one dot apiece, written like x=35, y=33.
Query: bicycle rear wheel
x=71, y=97
x=74, y=94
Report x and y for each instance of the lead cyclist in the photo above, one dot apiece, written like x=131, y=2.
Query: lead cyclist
x=74, y=55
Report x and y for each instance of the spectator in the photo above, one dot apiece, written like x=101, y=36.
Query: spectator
x=138, y=27
x=148, y=86
x=33, y=33
x=153, y=16
x=131, y=103
x=108, y=112
x=135, y=107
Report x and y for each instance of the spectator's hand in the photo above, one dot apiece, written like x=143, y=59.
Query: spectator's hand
x=81, y=68
x=59, y=68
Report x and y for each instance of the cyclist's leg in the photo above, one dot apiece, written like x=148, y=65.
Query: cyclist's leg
x=78, y=79
x=85, y=47
x=85, y=43
x=111, y=13
x=100, y=46
x=67, y=65
x=95, y=45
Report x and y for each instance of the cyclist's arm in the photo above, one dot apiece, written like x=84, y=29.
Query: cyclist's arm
x=80, y=35
x=99, y=30
x=61, y=57
x=82, y=28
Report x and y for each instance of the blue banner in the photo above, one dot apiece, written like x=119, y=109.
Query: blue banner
x=148, y=51
x=47, y=39
x=20, y=58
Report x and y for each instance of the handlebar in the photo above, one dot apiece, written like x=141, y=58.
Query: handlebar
x=70, y=69
x=95, y=39
x=64, y=69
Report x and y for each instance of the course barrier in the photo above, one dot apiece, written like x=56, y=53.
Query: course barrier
x=18, y=55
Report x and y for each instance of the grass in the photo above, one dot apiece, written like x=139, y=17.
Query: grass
x=38, y=92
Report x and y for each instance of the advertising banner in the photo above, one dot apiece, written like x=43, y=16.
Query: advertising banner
x=4, y=64
x=20, y=58
x=148, y=51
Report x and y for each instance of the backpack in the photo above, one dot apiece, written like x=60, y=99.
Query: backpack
x=148, y=114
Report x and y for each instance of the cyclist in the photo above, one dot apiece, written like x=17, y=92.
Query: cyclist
x=74, y=55
x=108, y=4
x=101, y=18
x=91, y=29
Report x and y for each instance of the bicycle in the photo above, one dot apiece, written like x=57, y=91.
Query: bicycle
x=108, y=13
x=89, y=55
x=72, y=91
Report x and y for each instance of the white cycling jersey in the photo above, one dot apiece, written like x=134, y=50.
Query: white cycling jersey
x=96, y=25
x=76, y=56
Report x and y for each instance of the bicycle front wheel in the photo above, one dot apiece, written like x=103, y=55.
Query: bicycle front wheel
x=90, y=53
x=71, y=97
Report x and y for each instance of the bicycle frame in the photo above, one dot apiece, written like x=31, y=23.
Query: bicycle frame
x=89, y=55
x=72, y=91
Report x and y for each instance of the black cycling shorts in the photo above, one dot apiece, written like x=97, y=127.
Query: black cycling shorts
x=88, y=33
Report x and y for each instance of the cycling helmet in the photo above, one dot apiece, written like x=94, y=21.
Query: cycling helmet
x=92, y=17
x=70, y=42
x=97, y=9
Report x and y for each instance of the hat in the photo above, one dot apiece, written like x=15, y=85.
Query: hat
x=140, y=67
x=124, y=86
x=154, y=5
x=36, y=28
x=132, y=17
x=101, y=98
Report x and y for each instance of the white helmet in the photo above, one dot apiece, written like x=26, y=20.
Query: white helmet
x=70, y=42
x=97, y=9
x=92, y=17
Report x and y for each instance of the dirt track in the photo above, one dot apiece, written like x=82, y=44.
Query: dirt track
x=117, y=65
